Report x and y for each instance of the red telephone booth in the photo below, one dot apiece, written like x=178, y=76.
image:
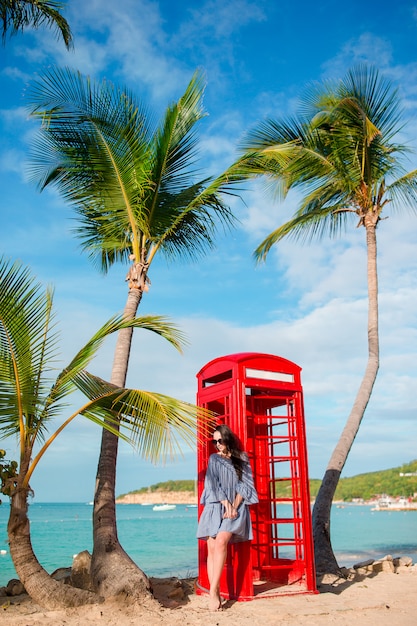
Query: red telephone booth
x=260, y=397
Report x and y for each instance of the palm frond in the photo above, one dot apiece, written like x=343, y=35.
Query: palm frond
x=404, y=191
x=65, y=385
x=134, y=189
x=92, y=146
x=16, y=15
x=154, y=422
x=187, y=226
x=339, y=153
x=313, y=220
x=272, y=133
x=174, y=143
x=31, y=393
x=27, y=348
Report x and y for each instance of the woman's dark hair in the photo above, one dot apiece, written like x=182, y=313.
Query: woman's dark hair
x=233, y=446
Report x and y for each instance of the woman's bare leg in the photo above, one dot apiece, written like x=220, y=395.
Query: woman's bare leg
x=217, y=553
x=211, y=543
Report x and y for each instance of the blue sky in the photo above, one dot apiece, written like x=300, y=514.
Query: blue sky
x=307, y=303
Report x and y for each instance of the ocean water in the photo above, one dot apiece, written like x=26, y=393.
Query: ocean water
x=163, y=543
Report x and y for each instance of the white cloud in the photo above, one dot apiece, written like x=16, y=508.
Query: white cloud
x=134, y=42
x=14, y=116
x=15, y=73
x=367, y=48
x=11, y=161
x=219, y=19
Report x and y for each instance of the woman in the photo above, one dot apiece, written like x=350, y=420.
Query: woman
x=228, y=490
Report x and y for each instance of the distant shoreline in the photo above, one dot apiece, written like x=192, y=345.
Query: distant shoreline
x=159, y=497
x=188, y=497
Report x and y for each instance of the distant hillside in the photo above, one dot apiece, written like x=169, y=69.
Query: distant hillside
x=169, y=485
x=365, y=486
x=369, y=485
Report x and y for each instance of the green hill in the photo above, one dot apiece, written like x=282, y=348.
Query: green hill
x=369, y=485
x=364, y=486
x=169, y=485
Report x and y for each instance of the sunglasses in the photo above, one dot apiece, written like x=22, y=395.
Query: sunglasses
x=216, y=441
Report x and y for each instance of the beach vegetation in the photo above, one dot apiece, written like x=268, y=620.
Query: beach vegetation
x=341, y=153
x=168, y=485
x=35, y=391
x=136, y=193
x=19, y=15
x=395, y=482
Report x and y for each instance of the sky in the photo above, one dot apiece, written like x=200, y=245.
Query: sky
x=307, y=303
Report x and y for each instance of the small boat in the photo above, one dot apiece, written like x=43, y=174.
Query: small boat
x=164, y=507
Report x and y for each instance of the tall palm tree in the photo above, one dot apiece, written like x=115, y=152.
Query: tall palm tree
x=341, y=154
x=32, y=396
x=16, y=15
x=135, y=190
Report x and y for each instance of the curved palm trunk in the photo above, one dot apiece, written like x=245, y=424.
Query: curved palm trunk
x=324, y=556
x=43, y=589
x=112, y=570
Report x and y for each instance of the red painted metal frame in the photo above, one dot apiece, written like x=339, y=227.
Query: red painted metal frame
x=260, y=397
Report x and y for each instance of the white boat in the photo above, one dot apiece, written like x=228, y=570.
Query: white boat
x=164, y=507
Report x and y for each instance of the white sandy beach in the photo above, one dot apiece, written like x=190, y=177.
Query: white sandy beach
x=382, y=598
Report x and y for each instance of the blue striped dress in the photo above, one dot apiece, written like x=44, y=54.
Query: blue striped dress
x=221, y=483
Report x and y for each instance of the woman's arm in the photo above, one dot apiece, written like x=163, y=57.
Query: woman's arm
x=230, y=510
x=213, y=488
x=245, y=487
x=237, y=501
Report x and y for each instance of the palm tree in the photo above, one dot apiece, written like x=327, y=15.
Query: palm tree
x=16, y=15
x=341, y=154
x=32, y=396
x=134, y=188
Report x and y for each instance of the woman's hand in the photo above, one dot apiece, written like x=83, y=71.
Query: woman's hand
x=230, y=512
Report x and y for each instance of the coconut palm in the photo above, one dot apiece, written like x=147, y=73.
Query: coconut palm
x=17, y=15
x=341, y=154
x=135, y=190
x=33, y=395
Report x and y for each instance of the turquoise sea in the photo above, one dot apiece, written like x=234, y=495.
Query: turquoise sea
x=163, y=543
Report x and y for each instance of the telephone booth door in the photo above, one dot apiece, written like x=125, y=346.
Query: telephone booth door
x=260, y=398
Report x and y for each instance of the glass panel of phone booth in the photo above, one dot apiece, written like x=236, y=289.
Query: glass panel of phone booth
x=278, y=524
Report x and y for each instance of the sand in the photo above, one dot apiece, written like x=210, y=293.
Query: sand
x=159, y=497
x=382, y=598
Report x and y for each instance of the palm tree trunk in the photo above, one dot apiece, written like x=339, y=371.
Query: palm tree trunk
x=43, y=589
x=112, y=570
x=324, y=555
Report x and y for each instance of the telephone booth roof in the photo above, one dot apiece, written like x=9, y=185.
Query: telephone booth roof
x=248, y=365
